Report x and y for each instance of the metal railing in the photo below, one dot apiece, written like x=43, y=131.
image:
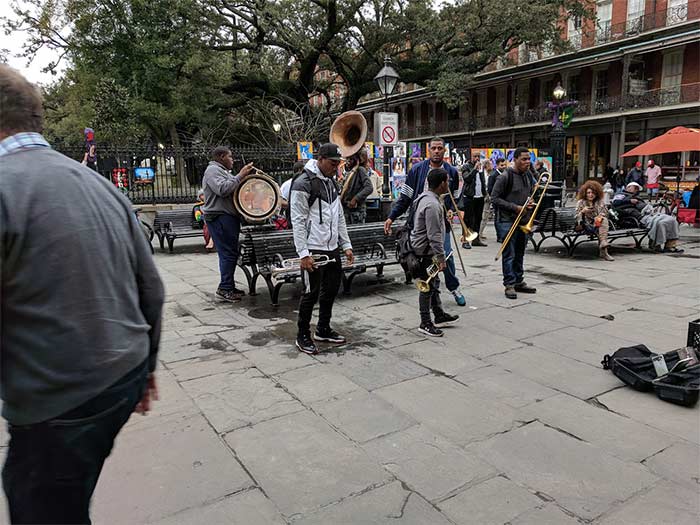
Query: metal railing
x=605, y=32
x=669, y=96
x=175, y=174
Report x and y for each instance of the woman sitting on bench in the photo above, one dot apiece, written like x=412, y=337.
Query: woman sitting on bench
x=592, y=215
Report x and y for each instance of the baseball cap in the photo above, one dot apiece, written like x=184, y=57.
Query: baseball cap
x=638, y=164
x=330, y=151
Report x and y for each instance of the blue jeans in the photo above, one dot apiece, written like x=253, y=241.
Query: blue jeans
x=52, y=467
x=451, y=280
x=512, y=258
x=225, y=229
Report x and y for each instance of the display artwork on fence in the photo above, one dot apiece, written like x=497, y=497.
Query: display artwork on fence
x=305, y=150
x=144, y=175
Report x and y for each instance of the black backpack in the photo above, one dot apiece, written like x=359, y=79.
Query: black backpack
x=408, y=258
x=315, y=194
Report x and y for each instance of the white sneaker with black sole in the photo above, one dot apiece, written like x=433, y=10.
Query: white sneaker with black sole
x=430, y=330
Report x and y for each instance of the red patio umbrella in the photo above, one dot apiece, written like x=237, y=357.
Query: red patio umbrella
x=678, y=139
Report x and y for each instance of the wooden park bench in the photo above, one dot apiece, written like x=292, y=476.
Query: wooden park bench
x=262, y=249
x=171, y=224
x=559, y=223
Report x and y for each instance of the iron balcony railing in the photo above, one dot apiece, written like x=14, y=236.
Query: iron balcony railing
x=664, y=97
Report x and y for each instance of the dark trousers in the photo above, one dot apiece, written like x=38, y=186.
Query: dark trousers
x=473, y=210
x=513, y=255
x=429, y=300
x=450, y=272
x=225, y=229
x=324, y=281
x=52, y=467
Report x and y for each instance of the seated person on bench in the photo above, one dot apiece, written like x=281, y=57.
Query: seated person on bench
x=663, y=229
x=592, y=215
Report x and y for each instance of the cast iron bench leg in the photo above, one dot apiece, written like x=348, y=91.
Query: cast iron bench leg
x=171, y=242
x=161, y=240
x=347, y=282
x=249, y=280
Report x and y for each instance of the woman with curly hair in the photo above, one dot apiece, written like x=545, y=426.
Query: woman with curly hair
x=592, y=215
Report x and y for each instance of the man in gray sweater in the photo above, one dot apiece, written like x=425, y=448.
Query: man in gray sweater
x=80, y=313
x=223, y=222
x=428, y=241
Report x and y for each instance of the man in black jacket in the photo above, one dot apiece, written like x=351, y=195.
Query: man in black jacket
x=473, y=193
x=510, y=193
x=357, y=186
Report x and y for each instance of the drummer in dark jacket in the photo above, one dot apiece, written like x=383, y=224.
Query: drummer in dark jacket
x=218, y=185
x=510, y=193
x=357, y=186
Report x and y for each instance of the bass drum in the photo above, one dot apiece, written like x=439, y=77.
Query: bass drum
x=257, y=198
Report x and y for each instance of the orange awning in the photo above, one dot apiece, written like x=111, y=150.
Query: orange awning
x=676, y=140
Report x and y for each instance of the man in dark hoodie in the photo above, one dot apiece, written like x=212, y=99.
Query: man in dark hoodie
x=357, y=186
x=218, y=185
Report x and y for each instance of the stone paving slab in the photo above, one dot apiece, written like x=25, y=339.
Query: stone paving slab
x=665, y=503
x=363, y=416
x=581, y=478
x=505, y=387
x=240, y=398
x=450, y=408
x=492, y=502
x=276, y=359
x=164, y=469
x=246, y=508
x=606, y=430
x=646, y=408
x=313, y=465
x=372, y=367
x=479, y=342
x=387, y=505
x=191, y=347
x=316, y=383
x=558, y=372
x=427, y=462
x=208, y=365
x=548, y=515
x=512, y=323
x=679, y=463
x=575, y=343
x=560, y=315
x=450, y=360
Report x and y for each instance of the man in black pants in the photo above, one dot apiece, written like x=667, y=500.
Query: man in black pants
x=218, y=185
x=428, y=241
x=473, y=193
x=319, y=228
x=510, y=193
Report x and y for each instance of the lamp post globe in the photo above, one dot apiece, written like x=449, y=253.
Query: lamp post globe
x=559, y=92
x=277, y=127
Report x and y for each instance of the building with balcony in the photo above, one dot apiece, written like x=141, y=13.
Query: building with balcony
x=634, y=71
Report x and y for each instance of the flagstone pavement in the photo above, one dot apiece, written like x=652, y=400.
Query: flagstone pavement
x=509, y=418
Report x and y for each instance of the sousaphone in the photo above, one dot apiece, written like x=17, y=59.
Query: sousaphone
x=349, y=132
x=257, y=198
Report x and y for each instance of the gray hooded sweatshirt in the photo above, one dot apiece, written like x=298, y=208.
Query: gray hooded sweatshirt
x=218, y=185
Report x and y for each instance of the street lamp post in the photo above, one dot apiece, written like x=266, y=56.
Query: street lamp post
x=557, y=136
x=386, y=79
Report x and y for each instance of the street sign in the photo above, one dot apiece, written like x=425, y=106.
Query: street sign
x=386, y=129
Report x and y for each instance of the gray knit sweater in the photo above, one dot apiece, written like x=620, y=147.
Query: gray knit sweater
x=80, y=295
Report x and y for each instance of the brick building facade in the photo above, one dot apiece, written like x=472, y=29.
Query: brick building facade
x=634, y=71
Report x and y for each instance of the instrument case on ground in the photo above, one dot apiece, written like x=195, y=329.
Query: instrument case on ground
x=635, y=367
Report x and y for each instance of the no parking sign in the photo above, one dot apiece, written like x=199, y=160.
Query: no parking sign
x=386, y=129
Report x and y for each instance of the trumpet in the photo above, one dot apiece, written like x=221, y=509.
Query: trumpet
x=423, y=285
x=292, y=265
x=526, y=228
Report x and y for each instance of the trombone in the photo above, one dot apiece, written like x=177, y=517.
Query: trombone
x=467, y=234
x=544, y=177
x=423, y=285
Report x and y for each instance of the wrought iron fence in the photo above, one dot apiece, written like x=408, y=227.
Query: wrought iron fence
x=153, y=175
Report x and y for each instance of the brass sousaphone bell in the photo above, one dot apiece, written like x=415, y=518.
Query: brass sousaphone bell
x=349, y=132
x=257, y=198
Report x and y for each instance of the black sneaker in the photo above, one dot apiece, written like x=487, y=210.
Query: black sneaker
x=329, y=335
x=477, y=242
x=429, y=329
x=239, y=293
x=305, y=344
x=466, y=246
x=443, y=318
x=524, y=288
x=227, y=295
x=510, y=293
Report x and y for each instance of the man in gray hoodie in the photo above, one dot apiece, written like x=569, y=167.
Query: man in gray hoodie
x=80, y=313
x=223, y=222
x=428, y=241
x=319, y=228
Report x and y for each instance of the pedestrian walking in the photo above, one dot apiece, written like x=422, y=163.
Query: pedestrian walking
x=652, y=174
x=489, y=172
x=473, y=199
x=81, y=311
x=635, y=175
